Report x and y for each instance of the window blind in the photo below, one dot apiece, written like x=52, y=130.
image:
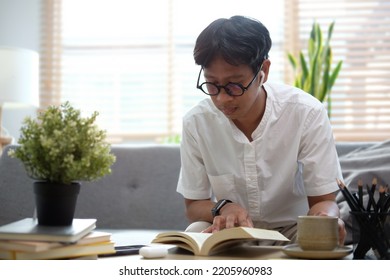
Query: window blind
x=133, y=63
x=361, y=38
x=50, y=54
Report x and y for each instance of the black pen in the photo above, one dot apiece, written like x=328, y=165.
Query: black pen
x=371, y=193
x=124, y=251
x=358, y=200
x=360, y=191
x=380, y=202
x=386, y=207
x=371, y=200
x=353, y=204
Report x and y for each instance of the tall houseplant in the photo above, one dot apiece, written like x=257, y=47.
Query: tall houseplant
x=59, y=149
x=314, y=74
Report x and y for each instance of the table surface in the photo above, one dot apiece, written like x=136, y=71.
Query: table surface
x=144, y=237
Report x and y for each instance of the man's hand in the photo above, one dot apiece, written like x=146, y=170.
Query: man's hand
x=327, y=206
x=342, y=232
x=231, y=215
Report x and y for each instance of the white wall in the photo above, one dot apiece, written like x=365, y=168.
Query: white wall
x=19, y=27
x=20, y=23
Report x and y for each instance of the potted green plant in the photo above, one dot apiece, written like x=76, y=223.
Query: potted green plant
x=59, y=149
x=314, y=74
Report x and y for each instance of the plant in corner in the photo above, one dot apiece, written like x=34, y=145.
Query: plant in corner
x=59, y=149
x=314, y=74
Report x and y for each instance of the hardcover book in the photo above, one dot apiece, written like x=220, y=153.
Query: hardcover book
x=39, y=246
x=63, y=252
x=204, y=244
x=28, y=229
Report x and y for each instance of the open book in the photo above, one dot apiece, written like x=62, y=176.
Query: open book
x=204, y=244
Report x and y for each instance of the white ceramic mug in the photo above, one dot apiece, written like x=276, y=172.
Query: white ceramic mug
x=317, y=233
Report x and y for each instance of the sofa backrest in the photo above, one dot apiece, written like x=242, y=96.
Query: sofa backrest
x=16, y=191
x=140, y=193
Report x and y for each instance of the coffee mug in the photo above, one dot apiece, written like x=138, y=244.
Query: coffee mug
x=317, y=233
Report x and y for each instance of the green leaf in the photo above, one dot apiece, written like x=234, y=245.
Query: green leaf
x=304, y=68
x=335, y=74
x=330, y=31
x=293, y=61
x=316, y=76
x=324, y=89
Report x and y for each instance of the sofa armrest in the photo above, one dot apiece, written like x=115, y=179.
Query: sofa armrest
x=344, y=148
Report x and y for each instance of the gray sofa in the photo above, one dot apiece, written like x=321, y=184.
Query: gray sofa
x=141, y=191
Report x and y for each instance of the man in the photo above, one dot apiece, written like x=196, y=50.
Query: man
x=254, y=153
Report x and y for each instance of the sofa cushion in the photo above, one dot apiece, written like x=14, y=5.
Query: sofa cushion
x=139, y=193
x=363, y=163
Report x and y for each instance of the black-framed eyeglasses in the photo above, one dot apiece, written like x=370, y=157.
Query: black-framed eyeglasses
x=232, y=89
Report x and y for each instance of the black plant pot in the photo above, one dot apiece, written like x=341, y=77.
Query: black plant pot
x=55, y=203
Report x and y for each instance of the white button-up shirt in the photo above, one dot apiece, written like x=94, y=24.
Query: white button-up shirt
x=292, y=156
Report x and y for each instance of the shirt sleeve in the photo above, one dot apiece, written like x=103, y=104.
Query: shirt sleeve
x=318, y=154
x=193, y=180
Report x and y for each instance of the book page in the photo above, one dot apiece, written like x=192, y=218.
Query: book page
x=194, y=240
x=205, y=243
x=68, y=251
x=237, y=235
x=28, y=246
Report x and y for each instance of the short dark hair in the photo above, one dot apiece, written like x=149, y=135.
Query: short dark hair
x=239, y=40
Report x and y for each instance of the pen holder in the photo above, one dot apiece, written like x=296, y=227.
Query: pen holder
x=371, y=230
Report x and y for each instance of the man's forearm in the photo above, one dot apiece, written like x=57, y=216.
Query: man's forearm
x=327, y=207
x=199, y=210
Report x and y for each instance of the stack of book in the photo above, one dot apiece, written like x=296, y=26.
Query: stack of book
x=26, y=240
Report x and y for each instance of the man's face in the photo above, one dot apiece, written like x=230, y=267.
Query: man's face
x=234, y=107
